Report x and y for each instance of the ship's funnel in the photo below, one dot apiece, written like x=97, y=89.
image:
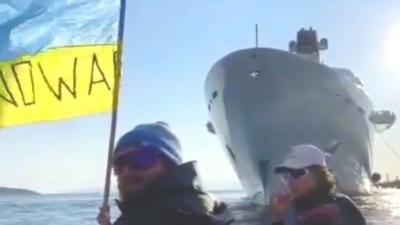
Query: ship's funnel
x=307, y=44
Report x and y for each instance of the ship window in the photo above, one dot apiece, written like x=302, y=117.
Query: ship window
x=231, y=154
x=255, y=74
x=360, y=110
x=215, y=94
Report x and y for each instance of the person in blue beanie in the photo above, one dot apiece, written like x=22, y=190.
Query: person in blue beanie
x=156, y=187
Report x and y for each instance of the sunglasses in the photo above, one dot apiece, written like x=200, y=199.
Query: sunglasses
x=295, y=174
x=141, y=159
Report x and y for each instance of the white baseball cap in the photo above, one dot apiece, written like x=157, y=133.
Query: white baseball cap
x=302, y=156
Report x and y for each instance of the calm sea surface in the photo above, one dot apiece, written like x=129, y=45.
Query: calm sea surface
x=383, y=207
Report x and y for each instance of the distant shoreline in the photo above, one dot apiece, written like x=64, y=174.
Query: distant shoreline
x=5, y=191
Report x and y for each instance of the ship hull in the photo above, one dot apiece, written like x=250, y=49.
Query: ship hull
x=263, y=101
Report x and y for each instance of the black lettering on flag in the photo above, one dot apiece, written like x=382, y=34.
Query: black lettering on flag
x=95, y=64
x=61, y=82
x=21, y=79
x=10, y=98
x=116, y=65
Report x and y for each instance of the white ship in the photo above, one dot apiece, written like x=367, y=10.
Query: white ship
x=261, y=101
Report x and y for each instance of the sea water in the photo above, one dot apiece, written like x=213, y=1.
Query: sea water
x=381, y=207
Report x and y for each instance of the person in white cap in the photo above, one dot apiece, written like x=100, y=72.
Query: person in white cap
x=312, y=197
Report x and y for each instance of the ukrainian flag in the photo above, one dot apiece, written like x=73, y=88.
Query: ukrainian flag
x=58, y=58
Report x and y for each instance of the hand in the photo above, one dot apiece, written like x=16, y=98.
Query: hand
x=278, y=206
x=103, y=218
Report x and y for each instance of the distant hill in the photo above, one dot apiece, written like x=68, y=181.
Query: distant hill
x=16, y=191
x=91, y=190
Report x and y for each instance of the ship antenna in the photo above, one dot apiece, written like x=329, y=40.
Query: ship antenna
x=256, y=36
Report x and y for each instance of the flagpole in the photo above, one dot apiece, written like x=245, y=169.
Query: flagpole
x=115, y=100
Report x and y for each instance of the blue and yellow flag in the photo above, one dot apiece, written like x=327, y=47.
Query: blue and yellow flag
x=57, y=58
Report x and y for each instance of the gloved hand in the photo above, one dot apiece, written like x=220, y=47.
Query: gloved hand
x=104, y=218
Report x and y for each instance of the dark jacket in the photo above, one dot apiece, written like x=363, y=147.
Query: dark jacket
x=177, y=199
x=324, y=208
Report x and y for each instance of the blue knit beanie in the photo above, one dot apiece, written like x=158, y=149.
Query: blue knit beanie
x=157, y=135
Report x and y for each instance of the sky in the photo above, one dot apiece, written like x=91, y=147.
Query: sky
x=169, y=48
